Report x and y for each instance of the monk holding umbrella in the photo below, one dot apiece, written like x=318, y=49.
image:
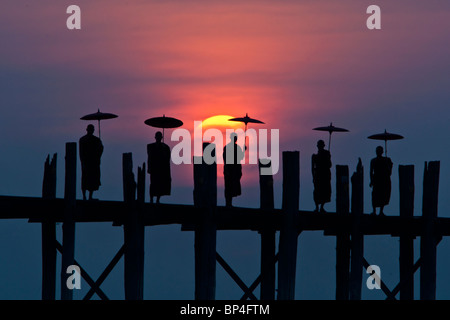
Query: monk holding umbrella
x=232, y=169
x=91, y=150
x=232, y=157
x=159, y=158
x=321, y=169
x=380, y=173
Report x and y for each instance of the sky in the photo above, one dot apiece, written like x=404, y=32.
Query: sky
x=295, y=65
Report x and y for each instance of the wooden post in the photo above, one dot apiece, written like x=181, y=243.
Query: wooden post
x=357, y=237
x=140, y=229
x=68, y=254
x=48, y=228
x=141, y=184
x=266, y=201
x=406, y=185
x=133, y=232
x=289, y=229
x=205, y=199
x=428, y=239
x=342, y=237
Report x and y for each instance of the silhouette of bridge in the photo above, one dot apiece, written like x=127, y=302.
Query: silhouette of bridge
x=348, y=224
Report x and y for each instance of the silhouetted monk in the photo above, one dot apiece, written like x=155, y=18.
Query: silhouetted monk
x=380, y=180
x=320, y=166
x=159, y=168
x=232, y=169
x=91, y=149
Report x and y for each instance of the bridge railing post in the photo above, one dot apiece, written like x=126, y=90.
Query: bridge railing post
x=289, y=229
x=133, y=232
x=267, y=235
x=68, y=252
x=205, y=199
x=406, y=188
x=342, y=237
x=48, y=228
x=357, y=237
x=428, y=240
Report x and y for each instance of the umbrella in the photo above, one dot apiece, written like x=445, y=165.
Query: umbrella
x=99, y=116
x=164, y=123
x=330, y=130
x=246, y=120
x=385, y=136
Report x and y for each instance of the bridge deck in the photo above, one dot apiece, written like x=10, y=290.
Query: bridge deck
x=235, y=218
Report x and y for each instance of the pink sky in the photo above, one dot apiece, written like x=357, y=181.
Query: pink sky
x=293, y=64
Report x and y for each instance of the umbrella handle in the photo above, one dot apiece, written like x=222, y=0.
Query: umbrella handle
x=99, y=136
x=329, y=142
x=245, y=138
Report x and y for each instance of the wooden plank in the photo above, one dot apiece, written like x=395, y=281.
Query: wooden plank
x=357, y=237
x=342, y=238
x=406, y=188
x=289, y=226
x=267, y=234
x=428, y=240
x=205, y=199
x=48, y=233
x=68, y=254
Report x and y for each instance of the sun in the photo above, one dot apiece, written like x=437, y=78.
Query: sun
x=217, y=122
x=221, y=122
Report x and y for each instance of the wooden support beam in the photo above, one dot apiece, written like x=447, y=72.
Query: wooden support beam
x=84, y=275
x=105, y=273
x=234, y=275
x=289, y=229
x=205, y=199
x=357, y=237
x=416, y=267
x=266, y=200
x=428, y=240
x=342, y=238
x=68, y=254
x=255, y=283
x=48, y=228
x=389, y=294
x=406, y=186
x=141, y=185
x=133, y=233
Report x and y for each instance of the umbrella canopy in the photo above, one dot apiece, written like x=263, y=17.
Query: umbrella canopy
x=99, y=116
x=164, y=123
x=246, y=120
x=330, y=129
x=385, y=136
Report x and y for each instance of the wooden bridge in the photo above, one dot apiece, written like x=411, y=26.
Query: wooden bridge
x=348, y=224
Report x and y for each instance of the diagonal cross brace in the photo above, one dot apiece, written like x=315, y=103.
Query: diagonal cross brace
x=416, y=267
x=234, y=276
x=255, y=283
x=105, y=273
x=389, y=294
x=85, y=276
